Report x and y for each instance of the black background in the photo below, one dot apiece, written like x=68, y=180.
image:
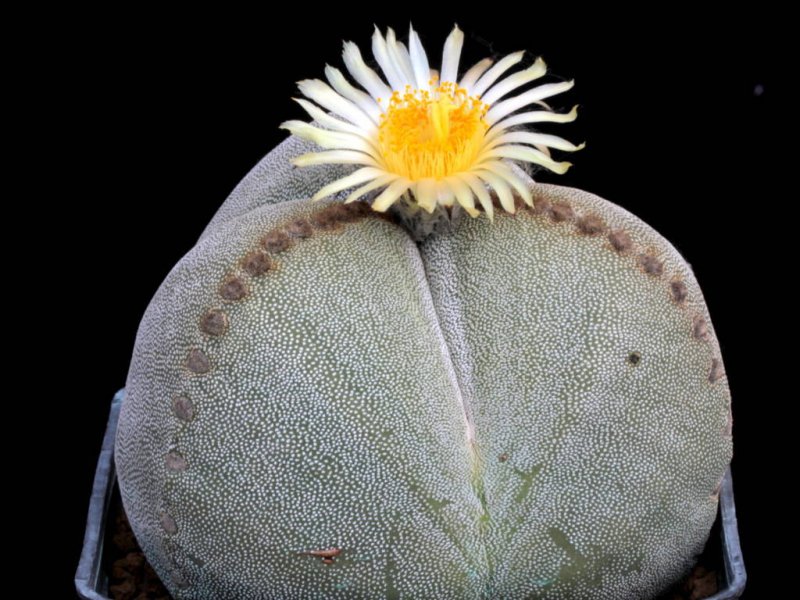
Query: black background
x=161, y=116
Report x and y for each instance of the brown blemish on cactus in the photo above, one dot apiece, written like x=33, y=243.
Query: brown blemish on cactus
x=276, y=241
x=256, y=263
x=233, y=288
x=678, y=290
x=183, y=408
x=591, y=225
x=198, y=362
x=620, y=241
x=214, y=322
x=299, y=228
x=503, y=457
x=634, y=358
x=561, y=211
x=326, y=553
x=175, y=461
x=541, y=206
x=168, y=524
x=700, y=328
x=322, y=220
x=344, y=213
x=331, y=217
x=651, y=265
x=335, y=215
x=716, y=371
x=727, y=431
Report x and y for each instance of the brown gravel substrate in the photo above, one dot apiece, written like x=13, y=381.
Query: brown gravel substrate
x=132, y=578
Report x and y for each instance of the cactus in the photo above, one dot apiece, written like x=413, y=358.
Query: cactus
x=323, y=405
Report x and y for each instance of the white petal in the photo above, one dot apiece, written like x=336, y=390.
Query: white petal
x=492, y=74
x=366, y=77
x=535, y=139
x=356, y=178
x=329, y=140
x=506, y=107
x=381, y=54
x=329, y=121
x=400, y=59
x=321, y=93
x=479, y=189
x=512, y=82
x=372, y=185
x=333, y=157
x=444, y=194
x=539, y=116
x=471, y=76
x=364, y=101
x=452, y=55
x=390, y=195
x=516, y=182
x=528, y=154
x=463, y=195
x=425, y=193
x=408, y=68
x=419, y=60
x=501, y=188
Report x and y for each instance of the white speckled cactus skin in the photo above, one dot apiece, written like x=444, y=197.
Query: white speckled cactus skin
x=534, y=408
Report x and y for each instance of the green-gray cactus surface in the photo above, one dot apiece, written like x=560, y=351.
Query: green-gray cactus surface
x=534, y=408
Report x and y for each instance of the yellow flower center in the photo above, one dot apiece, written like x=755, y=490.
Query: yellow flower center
x=432, y=134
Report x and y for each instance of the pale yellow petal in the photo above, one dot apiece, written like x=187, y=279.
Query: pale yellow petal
x=390, y=195
x=444, y=194
x=381, y=54
x=539, y=116
x=506, y=107
x=479, y=189
x=501, y=188
x=372, y=185
x=366, y=77
x=535, y=139
x=471, y=76
x=425, y=193
x=329, y=121
x=504, y=171
x=419, y=60
x=355, y=178
x=496, y=71
x=463, y=195
x=528, y=154
x=512, y=82
x=361, y=99
x=400, y=59
x=332, y=157
x=451, y=55
x=324, y=95
x=331, y=140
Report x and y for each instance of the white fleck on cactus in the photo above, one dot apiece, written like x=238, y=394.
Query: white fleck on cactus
x=321, y=405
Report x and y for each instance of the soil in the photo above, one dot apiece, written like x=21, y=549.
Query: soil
x=132, y=578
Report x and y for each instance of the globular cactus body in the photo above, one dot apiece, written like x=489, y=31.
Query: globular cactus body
x=320, y=407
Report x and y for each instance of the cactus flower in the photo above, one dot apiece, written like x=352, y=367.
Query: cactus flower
x=431, y=138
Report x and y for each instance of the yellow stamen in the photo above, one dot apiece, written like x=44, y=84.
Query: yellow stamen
x=432, y=134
